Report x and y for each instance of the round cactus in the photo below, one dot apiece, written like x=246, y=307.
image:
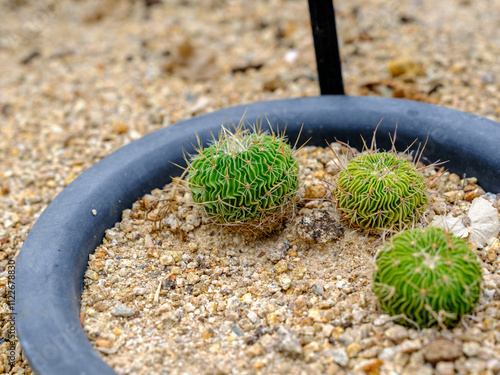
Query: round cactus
x=380, y=191
x=245, y=179
x=427, y=276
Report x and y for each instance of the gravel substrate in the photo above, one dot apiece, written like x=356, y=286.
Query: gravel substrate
x=82, y=78
x=198, y=299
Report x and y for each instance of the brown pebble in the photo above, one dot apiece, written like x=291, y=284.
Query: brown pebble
x=454, y=178
x=272, y=84
x=101, y=305
x=152, y=253
x=208, y=333
x=103, y=343
x=469, y=188
x=119, y=126
x=373, y=367
x=405, y=66
x=469, y=197
x=315, y=191
x=454, y=195
x=255, y=350
x=442, y=349
x=100, y=253
x=82, y=318
x=96, y=265
x=4, y=189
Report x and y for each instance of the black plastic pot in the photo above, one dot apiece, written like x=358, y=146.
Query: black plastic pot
x=51, y=265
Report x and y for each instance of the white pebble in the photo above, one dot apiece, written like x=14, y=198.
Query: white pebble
x=253, y=317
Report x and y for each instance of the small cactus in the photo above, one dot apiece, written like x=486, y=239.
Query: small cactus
x=380, y=191
x=246, y=179
x=427, y=276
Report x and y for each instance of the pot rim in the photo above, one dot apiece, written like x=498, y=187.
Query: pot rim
x=53, y=259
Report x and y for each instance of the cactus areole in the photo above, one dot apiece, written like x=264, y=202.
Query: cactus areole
x=380, y=190
x=245, y=179
x=428, y=277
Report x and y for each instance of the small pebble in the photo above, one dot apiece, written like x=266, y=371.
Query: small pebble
x=285, y=282
x=471, y=349
x=318, y=289
x=397, y=333
x=339, y=356
x=445, y=368
x=276, y=254
x=288, y=343
x=252, y=316
x=389, y=353
x=475, y=365
x=123, y=311
x=441, y=349
x=236, y=329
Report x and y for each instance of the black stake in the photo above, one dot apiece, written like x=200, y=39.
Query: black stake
x=326, y=47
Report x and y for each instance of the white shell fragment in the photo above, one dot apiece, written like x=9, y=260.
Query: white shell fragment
x=481, y=224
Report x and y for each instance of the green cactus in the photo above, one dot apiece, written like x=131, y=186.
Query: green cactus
x=427, y=276
x=246, y=179
x=380, y=191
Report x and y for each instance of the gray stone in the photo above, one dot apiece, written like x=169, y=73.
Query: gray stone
x=339, y=356
x=487, y=77
x=288, y=343
x=123, y=311
x=347, y=337
x=236, y=329
x=116, y=236
x=318, y=289
x=276, y=254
